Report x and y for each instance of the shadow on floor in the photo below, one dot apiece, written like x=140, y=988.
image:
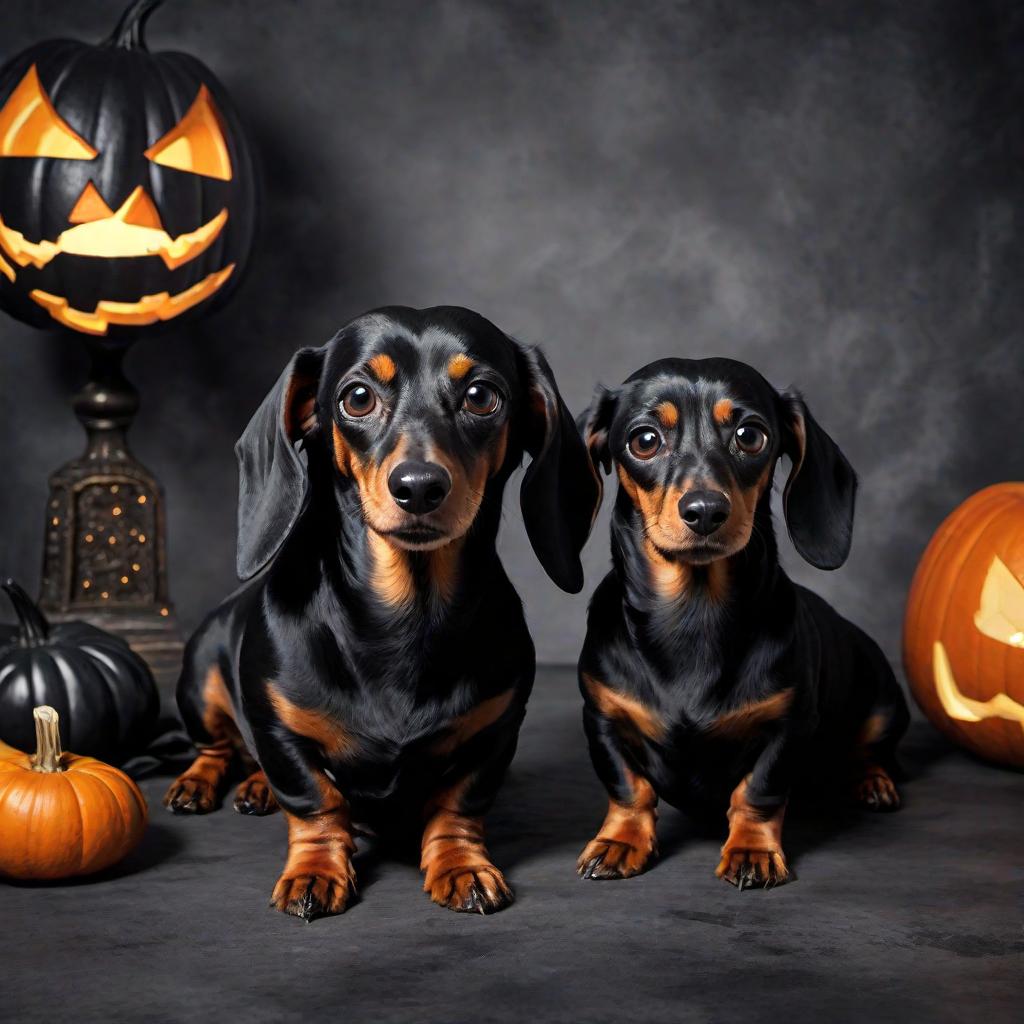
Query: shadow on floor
x=159, y=844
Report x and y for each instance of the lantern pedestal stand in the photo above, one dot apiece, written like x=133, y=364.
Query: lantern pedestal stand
x=104, y=559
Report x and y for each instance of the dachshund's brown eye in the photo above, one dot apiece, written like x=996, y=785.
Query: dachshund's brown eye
x=358, y=400
x=645, y=443
x=480, y=399
x=750, y=439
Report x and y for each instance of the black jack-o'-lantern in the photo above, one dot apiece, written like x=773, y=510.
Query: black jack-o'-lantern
x=127, y=196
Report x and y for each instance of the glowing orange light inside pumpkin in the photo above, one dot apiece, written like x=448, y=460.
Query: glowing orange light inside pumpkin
x=1001, y=614
x=196, y=144
x=30, y=126
x=963, y=708
x=149, y=309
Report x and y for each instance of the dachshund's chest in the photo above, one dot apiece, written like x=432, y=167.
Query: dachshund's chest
x=735, y=717
x=399, y=744
x=388, y=724
x=697, y=715
x=695, y=750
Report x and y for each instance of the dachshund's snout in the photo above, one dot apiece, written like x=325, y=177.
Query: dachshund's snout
x=704, y=511
x=419, y=487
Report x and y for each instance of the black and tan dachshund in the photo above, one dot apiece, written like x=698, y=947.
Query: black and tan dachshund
x=376, y=667
x=708, y=676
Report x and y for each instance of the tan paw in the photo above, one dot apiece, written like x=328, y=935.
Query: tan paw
x=877, y=792
x=254, y=796
x=752, y=869
x=193, y=795
x=605, y=857
x=319, y=891
x=481, y=889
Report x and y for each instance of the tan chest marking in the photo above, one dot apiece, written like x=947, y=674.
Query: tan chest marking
x=743, y=720
x=466, y=726
x=625, y=709
x=318, y=726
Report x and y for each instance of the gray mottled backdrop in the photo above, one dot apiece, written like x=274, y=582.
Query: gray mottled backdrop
x=831, y=191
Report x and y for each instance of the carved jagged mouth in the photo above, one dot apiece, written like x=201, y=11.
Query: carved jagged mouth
x=115, y=236
x=958, y=705
x=147, y=310
x=134, y=230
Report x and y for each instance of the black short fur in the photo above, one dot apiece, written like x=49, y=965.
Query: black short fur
x=389, y=660
x=699, y=634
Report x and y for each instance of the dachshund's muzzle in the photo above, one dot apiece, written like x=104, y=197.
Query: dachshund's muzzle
x=704, y=511
x=419, y=487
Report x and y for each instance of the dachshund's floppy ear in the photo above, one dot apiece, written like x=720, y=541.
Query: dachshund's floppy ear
x=560, y=493
x=272, y=478
x=820, y=492
x=594, y=424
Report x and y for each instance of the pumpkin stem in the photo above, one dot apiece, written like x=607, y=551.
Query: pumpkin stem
x=48, y=753
x=129, y=34
x=34, y=629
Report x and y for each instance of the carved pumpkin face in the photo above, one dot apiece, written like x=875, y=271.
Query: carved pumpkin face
x=964, y=629
x=126, y=192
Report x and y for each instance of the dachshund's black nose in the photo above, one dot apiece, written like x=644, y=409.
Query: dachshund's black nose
x=419, y=487
x=704, y=511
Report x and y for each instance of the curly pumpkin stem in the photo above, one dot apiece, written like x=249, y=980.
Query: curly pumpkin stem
x=48, y=752
x=34, y=629
x=129, y=34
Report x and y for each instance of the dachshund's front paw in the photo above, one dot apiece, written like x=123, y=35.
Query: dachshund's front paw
x=606, y=858
x=317, y=892
x=254, y=796
x=193, y=795
x=752, y=869
x=876, y=791
x=477, y=890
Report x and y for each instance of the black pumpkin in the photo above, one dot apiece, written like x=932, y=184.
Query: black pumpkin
x=127, y=196
x=102, y=690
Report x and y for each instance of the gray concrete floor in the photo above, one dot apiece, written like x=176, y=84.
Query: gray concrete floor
x=910, y=917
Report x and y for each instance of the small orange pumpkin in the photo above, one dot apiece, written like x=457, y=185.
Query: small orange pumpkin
x=963, y=636
x=62, y=814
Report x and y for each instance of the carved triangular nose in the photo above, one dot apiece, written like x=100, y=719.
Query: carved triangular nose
x=139, y=209
x=90, y=206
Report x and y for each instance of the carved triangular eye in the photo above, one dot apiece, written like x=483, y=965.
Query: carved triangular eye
x=196, y=143
x=1001, y=615
x=30, y=126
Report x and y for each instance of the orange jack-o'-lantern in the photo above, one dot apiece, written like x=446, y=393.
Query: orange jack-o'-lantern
x=963, y=640
x=126, y=191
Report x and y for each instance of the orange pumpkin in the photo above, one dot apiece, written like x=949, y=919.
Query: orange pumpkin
x=963, y=636
x=61, y=814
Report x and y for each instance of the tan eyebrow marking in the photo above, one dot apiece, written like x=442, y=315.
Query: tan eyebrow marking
x=722, y=411
x=668, y=414
x=383, y=367
x=459, y=366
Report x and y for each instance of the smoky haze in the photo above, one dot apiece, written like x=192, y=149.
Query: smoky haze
x=831, y=192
